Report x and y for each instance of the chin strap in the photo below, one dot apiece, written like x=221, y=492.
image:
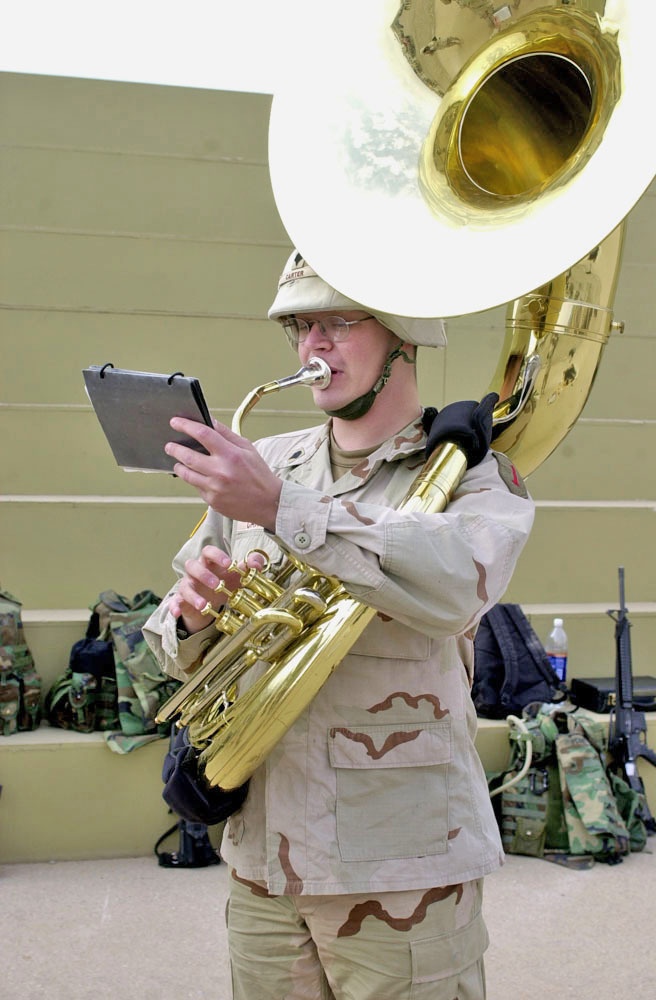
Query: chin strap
x=362, y=405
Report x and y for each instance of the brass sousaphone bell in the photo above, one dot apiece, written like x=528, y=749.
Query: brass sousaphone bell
x=437, y=158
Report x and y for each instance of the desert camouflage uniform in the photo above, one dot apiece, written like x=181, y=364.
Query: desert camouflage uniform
x=418, y=944
x=377, y=787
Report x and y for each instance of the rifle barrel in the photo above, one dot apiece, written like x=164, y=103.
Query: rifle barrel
x=627, y=733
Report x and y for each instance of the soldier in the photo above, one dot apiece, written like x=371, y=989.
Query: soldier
x=358, y=857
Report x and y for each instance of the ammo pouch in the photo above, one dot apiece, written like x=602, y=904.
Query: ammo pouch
x=20, y=684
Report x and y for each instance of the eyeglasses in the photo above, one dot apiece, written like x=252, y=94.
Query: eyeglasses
x=335, y=328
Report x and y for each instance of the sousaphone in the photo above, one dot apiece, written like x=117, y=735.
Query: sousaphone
x=460, y=152
x=437, y=158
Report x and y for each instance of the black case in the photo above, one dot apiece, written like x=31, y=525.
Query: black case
x=598, y=693
x=134, y=409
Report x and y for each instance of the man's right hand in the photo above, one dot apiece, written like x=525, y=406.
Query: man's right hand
x=198, y=586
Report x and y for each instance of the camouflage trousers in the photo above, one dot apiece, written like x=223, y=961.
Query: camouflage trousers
x=410, y=945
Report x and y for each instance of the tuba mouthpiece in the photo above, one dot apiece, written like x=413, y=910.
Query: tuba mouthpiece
x=320, y=372
x=316, y=372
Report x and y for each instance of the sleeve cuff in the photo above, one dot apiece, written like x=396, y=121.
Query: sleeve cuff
x=184, y=647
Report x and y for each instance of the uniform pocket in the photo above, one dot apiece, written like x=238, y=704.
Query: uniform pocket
x=388, y=639
x=441, y=964
x=391, y=786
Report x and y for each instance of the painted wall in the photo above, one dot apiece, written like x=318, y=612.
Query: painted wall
x=138, y=226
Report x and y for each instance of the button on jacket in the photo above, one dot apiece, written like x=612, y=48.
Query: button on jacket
x=378, y=785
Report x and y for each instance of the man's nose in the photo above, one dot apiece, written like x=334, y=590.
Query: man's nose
x=317, y=337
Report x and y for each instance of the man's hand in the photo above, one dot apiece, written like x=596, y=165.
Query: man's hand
x=232, y=478
x=199, y=584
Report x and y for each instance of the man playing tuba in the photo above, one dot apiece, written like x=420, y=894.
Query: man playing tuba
x=357, y=859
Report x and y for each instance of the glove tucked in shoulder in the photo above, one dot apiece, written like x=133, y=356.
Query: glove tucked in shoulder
x=466, y=423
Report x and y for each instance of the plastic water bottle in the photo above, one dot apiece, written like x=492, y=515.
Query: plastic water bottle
x=556, y=648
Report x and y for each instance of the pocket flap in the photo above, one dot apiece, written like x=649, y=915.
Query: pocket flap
x=400, y=745
x=434, y=959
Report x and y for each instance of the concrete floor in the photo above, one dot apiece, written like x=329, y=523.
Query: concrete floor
x=95, y=930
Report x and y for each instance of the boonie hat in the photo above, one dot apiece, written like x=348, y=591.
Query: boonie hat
x=300, y=289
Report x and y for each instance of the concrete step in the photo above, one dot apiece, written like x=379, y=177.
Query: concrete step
x=127, y=543
x=50, y=633
x=591, y=635
x=575, y=549
x=75, y=458
x=94, y=544
x=67, y=796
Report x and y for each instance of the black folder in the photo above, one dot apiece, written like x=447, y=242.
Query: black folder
x=134, y=409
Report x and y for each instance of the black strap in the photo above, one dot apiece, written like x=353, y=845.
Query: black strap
x=164, y=836
x=498, y=623
x=503, y=620
x=533, y=644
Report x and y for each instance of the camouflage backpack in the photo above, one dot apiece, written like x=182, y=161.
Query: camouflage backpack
x=113, y=682
x=566, y=807
x=20, y=684
x=142, y=687
x=84, y=698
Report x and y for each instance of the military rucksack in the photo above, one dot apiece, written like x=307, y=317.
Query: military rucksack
x=564, y=806
x=85, y=698
x=113, y=683
x=20, y=684
x=142, y=686
x=511, y=667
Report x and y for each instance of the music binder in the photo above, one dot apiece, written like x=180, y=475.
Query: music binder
x=134, y=409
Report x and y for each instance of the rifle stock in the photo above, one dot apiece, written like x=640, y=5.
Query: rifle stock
x=627, y=731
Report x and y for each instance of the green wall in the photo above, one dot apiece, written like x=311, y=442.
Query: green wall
x=138, y=226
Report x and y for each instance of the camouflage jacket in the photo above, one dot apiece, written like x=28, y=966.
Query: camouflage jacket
x=378, y=785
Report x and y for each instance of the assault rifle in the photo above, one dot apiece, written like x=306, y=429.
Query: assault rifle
x=627, y=732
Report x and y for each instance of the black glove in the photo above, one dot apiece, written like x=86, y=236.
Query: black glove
x=187, y=792
x=467, y=424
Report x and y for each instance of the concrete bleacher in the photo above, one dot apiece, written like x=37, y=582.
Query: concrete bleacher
x=139, y=227
x=68, y=796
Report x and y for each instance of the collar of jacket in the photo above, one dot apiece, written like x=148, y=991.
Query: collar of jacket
x=303, y=449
